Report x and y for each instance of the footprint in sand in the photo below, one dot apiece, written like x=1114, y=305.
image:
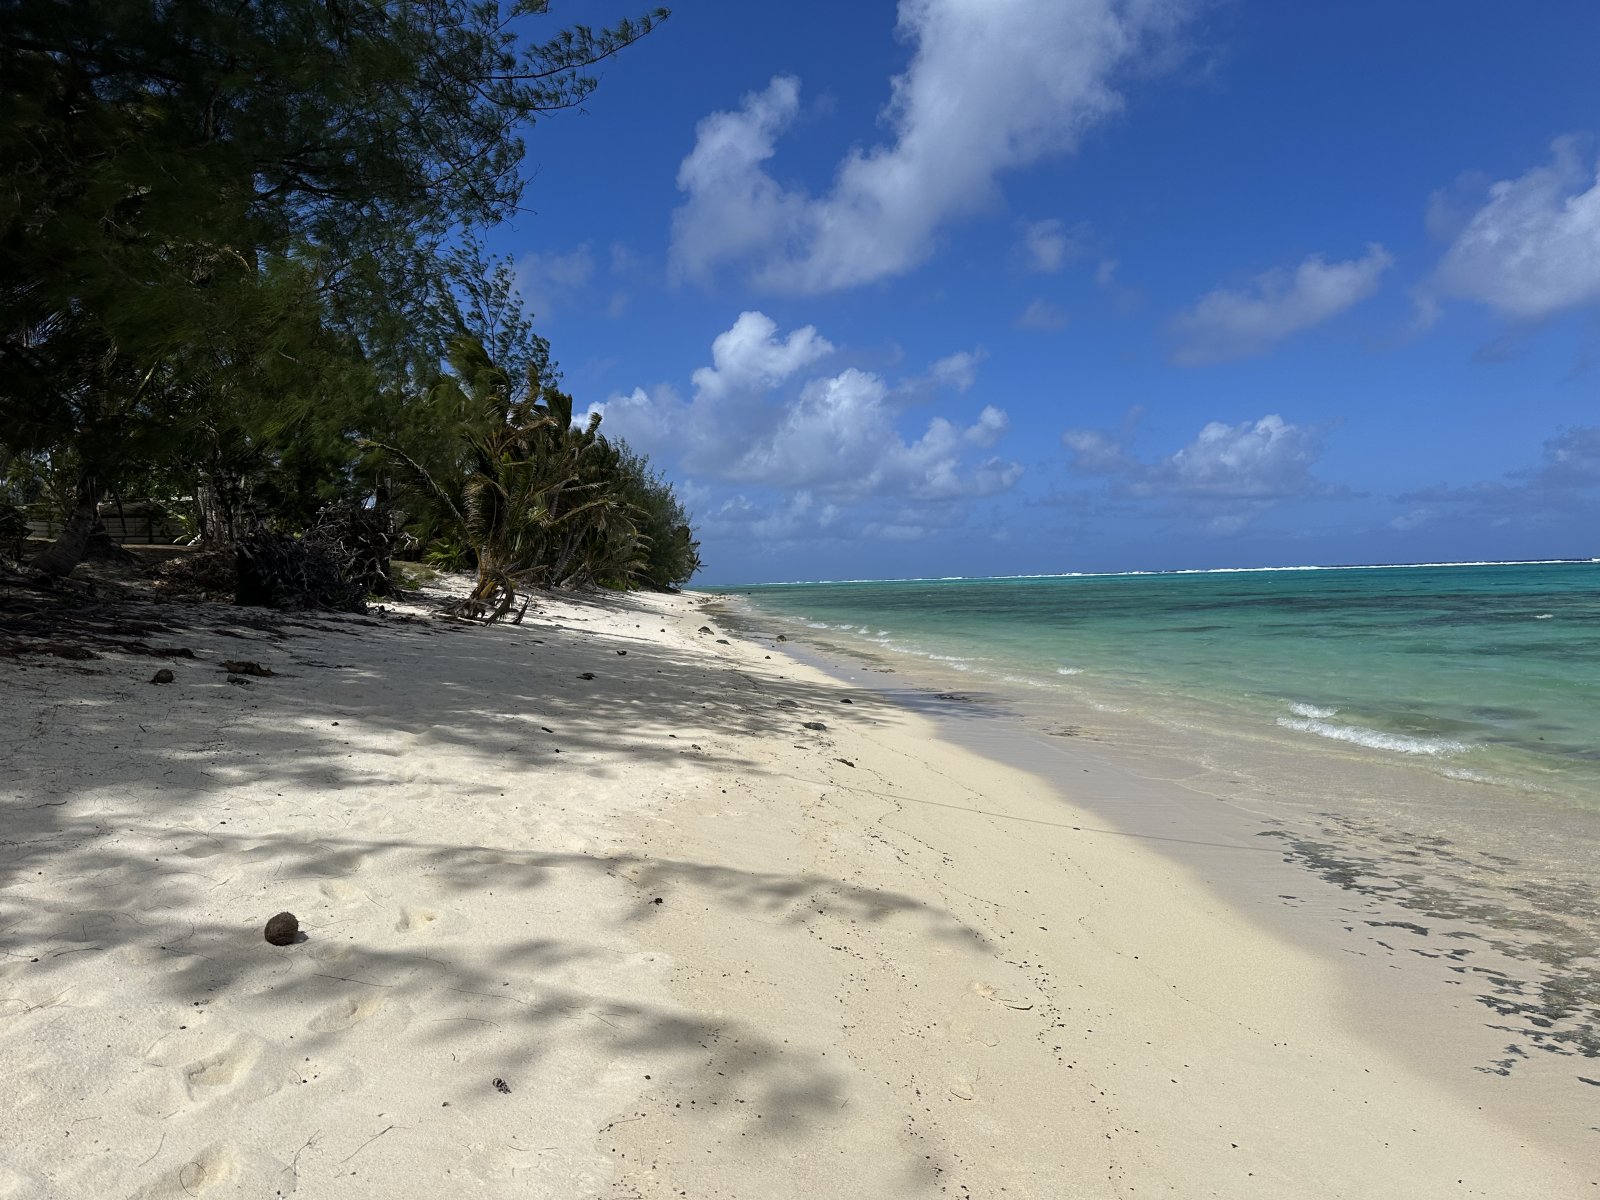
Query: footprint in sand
x=414, y=919
x=207, y=849
x=345, y=1014
x=499, y=858
x=215, y=1073
x=196, y=1069
x=14, y=1183
x=990, y=992
x=195, y=1176
x=341, y=892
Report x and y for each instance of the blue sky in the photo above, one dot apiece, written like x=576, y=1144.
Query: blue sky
x=1011, y=286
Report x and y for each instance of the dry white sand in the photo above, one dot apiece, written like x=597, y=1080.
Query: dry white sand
x=707, y=950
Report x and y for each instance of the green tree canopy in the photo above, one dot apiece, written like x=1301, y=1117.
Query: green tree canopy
x=167, y=165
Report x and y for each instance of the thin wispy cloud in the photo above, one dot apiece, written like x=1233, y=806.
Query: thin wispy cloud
x=1046, y=246
x=549, y=282
x=993, y=85
x=1564, y=488
x=1230, y=323
x=1042, y=317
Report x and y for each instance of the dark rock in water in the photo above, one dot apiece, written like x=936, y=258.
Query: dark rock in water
x=707, y=629
x=813, y=725
x=846, y=700
x=621, y=653
x=162, y=676
x=787, y=704
x=283, y=929
x=782, y=638
x=246, y=668
x=723, y=642
x=587, y=675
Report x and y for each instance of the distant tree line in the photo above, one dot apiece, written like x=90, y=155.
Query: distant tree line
x=238, y=272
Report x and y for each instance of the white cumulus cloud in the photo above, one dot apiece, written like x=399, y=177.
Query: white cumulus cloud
x=759, y=416
x=1225, y=476
x=1533, y=248
x=993, y=85
x=1228, y=323
x=1269, y=459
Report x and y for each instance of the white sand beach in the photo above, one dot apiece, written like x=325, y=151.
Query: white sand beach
x=709, y=923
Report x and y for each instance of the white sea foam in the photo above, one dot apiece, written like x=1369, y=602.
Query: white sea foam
x=1312, y=710
x=1489, y=562
x=1069, y=670
x=1024, y=680
x=1377, y=740
x=1543, y=616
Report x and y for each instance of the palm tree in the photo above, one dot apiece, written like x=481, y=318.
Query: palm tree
x=529, y=490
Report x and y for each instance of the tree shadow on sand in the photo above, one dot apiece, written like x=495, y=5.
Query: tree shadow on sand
x=95, y=784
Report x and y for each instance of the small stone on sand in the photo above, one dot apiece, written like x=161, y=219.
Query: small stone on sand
x=162, y=676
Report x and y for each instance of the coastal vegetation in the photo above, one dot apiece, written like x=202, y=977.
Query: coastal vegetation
x=242, y=282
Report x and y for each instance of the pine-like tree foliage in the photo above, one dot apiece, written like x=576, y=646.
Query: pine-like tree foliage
x=213, y=217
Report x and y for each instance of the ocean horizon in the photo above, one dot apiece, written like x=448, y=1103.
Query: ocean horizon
x=1372, y=566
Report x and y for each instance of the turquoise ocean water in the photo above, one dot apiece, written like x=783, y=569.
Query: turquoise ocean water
x=1480, y=672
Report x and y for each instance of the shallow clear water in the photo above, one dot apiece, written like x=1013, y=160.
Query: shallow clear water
x=1486, y=671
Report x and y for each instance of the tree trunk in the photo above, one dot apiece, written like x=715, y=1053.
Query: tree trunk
x=67, y=551
x=214, y=515
x=488, y=578
x=102, y=547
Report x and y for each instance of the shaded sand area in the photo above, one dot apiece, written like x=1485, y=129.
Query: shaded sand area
x=704, y=923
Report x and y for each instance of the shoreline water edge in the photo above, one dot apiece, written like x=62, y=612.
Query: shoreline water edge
x=635, y=900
